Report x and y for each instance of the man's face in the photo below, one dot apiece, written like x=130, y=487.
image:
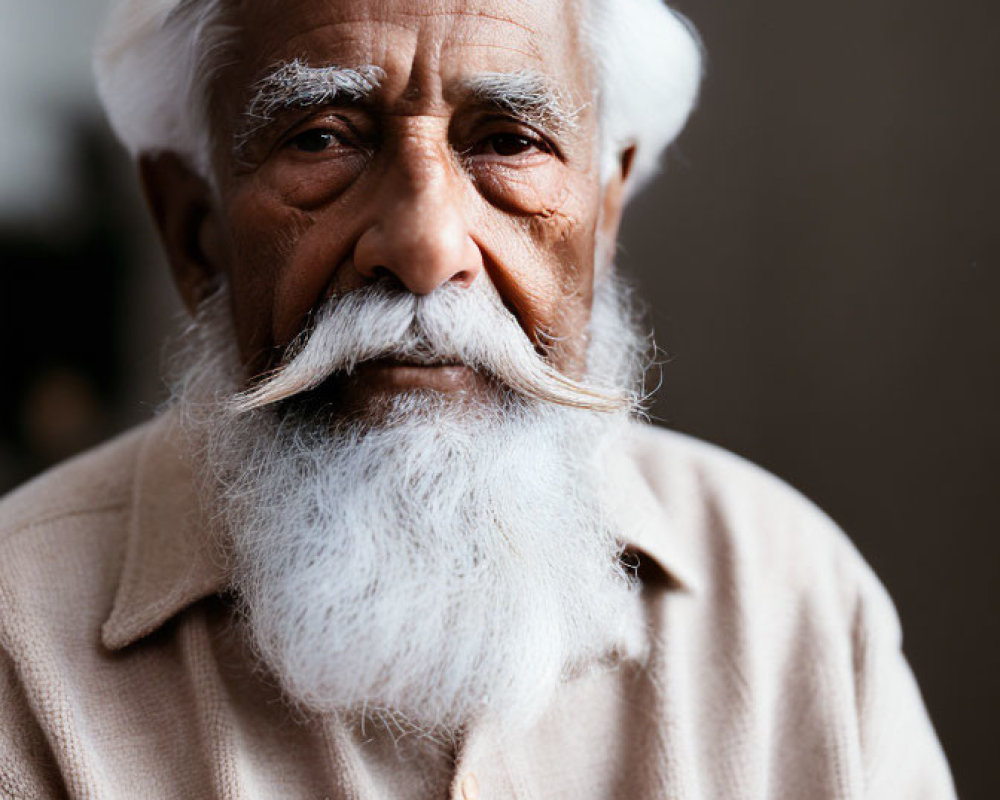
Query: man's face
x=458, y=161
x=440, y=174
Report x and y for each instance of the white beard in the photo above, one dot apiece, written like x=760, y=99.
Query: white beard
x=442, y=562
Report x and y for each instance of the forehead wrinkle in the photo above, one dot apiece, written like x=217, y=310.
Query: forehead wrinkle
x=467, y=32
x=391, y=22
x=525, y=47
x=533, y=54
x=396, y=18
x=476, y=15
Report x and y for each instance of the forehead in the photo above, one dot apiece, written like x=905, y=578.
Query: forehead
x=422, y=44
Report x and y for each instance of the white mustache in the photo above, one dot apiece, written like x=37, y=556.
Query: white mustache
x=470, y=326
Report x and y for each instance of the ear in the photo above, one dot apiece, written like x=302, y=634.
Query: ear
x=186, y=217
x=613, y=202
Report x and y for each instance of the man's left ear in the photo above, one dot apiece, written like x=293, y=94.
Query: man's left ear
x=613, y=203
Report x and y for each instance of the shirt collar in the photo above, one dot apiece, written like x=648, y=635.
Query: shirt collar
x=642, y=518
x=174, y=559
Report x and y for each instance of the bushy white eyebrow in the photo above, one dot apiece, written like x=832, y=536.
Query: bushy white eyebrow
x=526, y=95
x=297, y=85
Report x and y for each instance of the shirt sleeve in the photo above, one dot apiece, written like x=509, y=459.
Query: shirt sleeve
x=27, y=767
x=903, y=759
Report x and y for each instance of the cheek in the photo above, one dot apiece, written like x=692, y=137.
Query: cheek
x=563, y=233
x=549, y=213
x=544, y=261
x=529, y=191
x=266, y=235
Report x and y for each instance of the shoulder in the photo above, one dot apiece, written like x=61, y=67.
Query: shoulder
x=752, y=534
x=63, y=536
x=793, y=630
x=688, y=474
x=91, y=483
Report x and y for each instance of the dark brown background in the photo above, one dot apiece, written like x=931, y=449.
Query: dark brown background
x=823, y=257
x=822, y=260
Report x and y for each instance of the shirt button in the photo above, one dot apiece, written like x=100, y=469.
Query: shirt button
x=470, y=787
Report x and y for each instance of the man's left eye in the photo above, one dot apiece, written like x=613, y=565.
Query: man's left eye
x=512, y=144
x=314, y=140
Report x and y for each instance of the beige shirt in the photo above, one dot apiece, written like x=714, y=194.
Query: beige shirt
x=773, y=669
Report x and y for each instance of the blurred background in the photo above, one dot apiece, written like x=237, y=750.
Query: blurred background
x=822, y=261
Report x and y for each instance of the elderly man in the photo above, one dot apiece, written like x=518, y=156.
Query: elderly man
x=398, y=535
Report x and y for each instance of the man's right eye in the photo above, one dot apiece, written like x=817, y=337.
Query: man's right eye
x=314, y=140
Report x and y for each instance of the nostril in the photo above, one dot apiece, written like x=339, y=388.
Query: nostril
x=464, y=278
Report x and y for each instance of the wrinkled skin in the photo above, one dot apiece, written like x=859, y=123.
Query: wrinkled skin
x=421, y=183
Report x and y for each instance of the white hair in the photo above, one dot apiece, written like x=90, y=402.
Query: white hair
x=470, y=326
x=156, y=59
x=441, y=560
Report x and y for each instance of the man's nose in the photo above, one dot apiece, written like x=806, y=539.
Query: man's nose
x=420, y=233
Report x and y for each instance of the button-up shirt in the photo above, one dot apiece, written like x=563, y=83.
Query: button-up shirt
x=771, y=667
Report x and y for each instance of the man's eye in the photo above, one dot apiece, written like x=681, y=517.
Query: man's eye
x=315, y=140
x=512, y=144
